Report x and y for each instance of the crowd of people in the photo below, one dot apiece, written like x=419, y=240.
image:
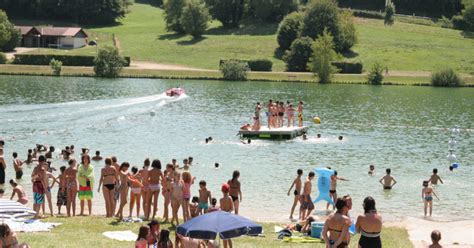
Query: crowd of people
x=276, y=112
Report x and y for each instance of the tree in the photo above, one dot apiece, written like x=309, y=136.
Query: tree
x=195, y=18
x=468, y=16
x=389, y=17
x=375, y=76
x=228, y=12
x=289, y=29
x=323, y=55
x=272, y=10
x=173, y=11
x=446, y=77
x=108, y=62
x=56, y=66
x=348, y=32
x=8, y=34
x=324, y=15
x=298, y=56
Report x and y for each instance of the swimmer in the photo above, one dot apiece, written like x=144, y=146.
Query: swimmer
x=216, y=165
x=206, y=140
x=49, y=154
x=371, y=170
x=427, y=196
x=340, y=137
x=318, y=135
x=434, y=178
x=388, y=180
x=97, y=156
x=332, y=189
x=297, y=184
x=305, y=137
x=451, y=168
x=185, y=164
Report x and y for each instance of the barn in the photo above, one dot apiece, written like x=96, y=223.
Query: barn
x=52, y=37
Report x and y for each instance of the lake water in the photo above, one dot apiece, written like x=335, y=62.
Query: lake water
x=404, y=128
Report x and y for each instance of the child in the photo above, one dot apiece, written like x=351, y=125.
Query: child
x=204, y=197
x=388, y=180
x=188, y=180
x=300, y=114
x=306, y=203
x=97, y=156
x=144, y=174
x=297, y=184
x=155, y=176
x=226, y=203
x=135, y=191
x=371, y=170
x=434, y=178
x=176, y=196
x=435, y=238
x=17, y=165
x=194, y=206
x=141, y=241
x=71, y=187
x=213, y=207
x=427, y=195
x=123, y=188
x=49, y=154
x=332, y=190
x=166, y=191
x=62, y=194
x=18, y=190
x=185, y=164
x=39, y=186
x=290, y=114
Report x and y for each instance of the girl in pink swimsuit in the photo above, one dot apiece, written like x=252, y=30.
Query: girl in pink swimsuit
x=188, y=181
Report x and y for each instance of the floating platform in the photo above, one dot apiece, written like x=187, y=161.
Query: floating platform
x=274, y=133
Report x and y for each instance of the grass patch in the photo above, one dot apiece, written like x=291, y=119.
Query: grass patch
x=87, y=232
x=403, y=46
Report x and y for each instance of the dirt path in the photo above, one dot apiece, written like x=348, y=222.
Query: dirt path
x=155, y=66
x=19, y=50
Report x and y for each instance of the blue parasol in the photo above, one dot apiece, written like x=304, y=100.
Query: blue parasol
x=221, y=223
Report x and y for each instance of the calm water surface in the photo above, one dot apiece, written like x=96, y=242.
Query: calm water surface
x=404, y=128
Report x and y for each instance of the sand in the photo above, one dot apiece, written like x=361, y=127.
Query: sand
x=453, y=234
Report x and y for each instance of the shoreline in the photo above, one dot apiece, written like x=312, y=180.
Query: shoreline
x=289, y=77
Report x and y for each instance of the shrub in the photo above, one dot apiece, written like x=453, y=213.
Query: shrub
x=108, y=62
x=67, y=60
x=56, y=66
x=195, y=18
x=323, y=56
x=324, y=14
x=15, y=37
x=368, y=14
x=234, y=70
x=3, y=58
x=389, y=17
x=9, y=36
x=446, y=78
x=375, y=76
x=348, y=67
x=172, y=14
x=298, y=56
x=458, y=22
x=468, y=16
x=289, y=29
x=272, y=10
x=260, y=65
x=445, y=22
x=229, y=12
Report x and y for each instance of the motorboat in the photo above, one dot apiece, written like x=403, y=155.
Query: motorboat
x=175, y=92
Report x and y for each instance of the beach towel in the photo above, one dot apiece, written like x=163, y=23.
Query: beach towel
x=31, y=226
x=85, y=185
x=302, y=240
x=132, y=220
x=121, y=235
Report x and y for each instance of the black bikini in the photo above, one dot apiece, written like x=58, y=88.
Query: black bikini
x=370, y=240
x=109, y=186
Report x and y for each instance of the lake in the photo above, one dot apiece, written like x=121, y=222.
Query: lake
x=403, y=128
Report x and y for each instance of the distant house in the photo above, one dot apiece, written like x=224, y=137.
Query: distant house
x=53, y=37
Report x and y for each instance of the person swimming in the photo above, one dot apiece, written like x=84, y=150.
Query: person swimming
x=435, y=178
x=371, y=170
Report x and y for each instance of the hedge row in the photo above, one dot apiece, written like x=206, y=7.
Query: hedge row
x=67, y=60
x=346, y=67
x=254, y=64
x=368, y=14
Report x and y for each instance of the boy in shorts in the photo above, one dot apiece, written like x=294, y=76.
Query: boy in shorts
x=297, y=184
x=307, y=205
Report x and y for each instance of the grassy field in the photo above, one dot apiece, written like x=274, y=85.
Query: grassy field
x=87, y=232
x=404, y=46
x=215, y=75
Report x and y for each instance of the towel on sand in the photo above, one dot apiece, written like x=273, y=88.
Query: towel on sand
x=121, y=235
x=30, y=226
x=302, y=240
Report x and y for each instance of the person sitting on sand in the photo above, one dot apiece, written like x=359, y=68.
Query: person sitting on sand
x=141, y=241
x=213, y=206
x=297, y=193
x=371, y=170
x=369, y=225
x=304, y=226
x=97, y=156
x=19, y=191
x=435, y=178
x=435, y=238
x=7, y=237
x=388, y=180
x=337, y=225
x=427, y=195
x=307, y=205
x=164, y=241
x=332, y=189
x=193, y=206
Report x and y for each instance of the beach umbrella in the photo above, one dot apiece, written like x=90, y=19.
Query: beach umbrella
x=221, y=223
x=13, y=209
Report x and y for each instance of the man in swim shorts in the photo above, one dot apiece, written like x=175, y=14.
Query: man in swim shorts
x=388, y=180
x=307, y=205
x=39, y=186
x=297, y=184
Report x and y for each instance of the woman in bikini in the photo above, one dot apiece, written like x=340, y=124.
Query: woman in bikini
x=108, y=177
x=176, y=196
x=123, y=188
x=235, y=191
x=71, y=187
x=369, y=225
x=135, y=190
x=188, y=180
x=144, y=174
x=337, y=225
x=18, y=190
x=427, y=195
x=154, y=178
x=166, y=191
